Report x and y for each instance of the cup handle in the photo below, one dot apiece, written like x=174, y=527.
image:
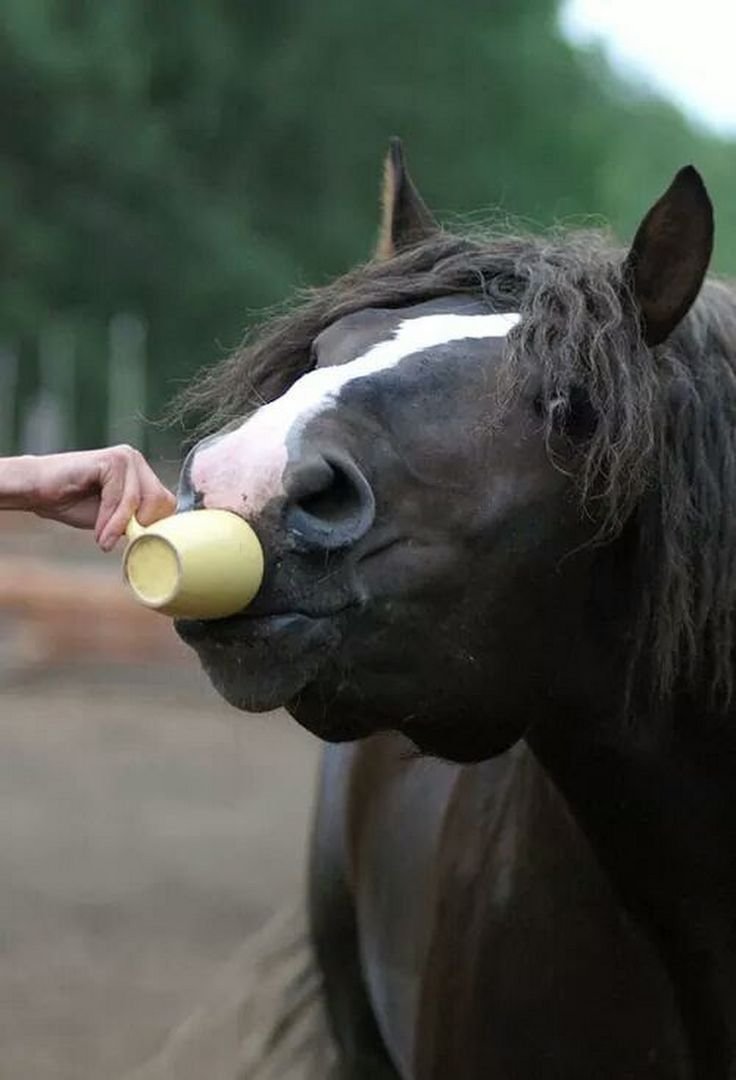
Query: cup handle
x=134, y=529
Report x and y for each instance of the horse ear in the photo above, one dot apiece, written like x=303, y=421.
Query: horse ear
x=405, y=219
x=670, y=254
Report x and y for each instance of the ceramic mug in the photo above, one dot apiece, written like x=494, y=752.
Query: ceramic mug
x=200, y=564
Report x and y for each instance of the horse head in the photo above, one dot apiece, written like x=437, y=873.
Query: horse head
x=447, y=469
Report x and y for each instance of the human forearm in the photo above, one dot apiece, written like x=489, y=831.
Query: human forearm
x=19, y=478
x=88, y=489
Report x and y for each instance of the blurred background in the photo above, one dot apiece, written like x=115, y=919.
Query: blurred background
x=167, y=171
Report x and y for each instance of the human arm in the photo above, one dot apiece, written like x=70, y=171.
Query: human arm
x=88, y=489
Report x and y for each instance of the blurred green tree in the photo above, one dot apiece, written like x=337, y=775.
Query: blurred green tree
x=194, y=163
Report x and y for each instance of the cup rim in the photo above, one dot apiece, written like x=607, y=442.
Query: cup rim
x=160, y=603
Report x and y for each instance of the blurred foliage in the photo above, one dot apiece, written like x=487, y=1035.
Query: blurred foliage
x=195, y=162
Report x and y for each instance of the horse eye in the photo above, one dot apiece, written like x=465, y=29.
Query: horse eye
x=571, y=414
x=574, y=415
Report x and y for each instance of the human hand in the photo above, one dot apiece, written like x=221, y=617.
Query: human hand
x=88, y=489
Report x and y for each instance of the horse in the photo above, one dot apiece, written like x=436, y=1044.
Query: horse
x=494, y=476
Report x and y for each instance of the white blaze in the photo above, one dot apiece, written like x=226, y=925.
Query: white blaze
x=244, y=469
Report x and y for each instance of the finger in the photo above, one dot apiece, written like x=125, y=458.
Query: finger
x=111, y=484
x=129, y=487
x=156, y=500
x=127, y=503
x=117, y=523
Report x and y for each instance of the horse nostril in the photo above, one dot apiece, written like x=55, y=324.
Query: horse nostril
x=337, y=499
x=329, y=503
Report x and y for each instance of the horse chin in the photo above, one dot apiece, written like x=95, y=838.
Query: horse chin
x=261, y=664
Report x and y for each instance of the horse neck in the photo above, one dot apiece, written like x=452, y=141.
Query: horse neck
x=660, y=811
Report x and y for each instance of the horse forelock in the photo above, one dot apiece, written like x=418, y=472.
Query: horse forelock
x=663, y=451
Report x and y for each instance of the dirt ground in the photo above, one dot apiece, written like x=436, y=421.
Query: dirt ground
x=145, y=829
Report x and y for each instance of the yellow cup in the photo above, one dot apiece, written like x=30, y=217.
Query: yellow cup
x=200, y=564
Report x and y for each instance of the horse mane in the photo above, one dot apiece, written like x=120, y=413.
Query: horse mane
x=662, y=453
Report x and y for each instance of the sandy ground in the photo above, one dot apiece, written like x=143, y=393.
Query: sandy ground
x=145, y=829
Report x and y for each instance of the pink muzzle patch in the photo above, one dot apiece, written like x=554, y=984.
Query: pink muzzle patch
x=243, y=470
